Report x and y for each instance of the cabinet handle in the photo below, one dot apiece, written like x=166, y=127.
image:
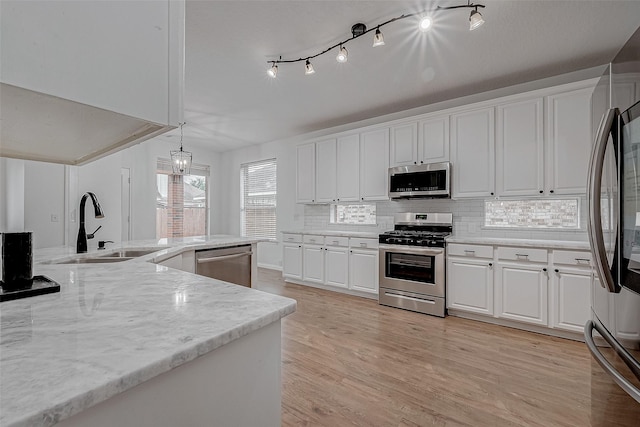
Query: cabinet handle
x=325, y=249
x=556, y=270
x=421, y=162
x=490, y=264
x=338, y=199
x=541, y=191
x=300, y=246
x=362, y=198
x=351, y=251
x=470, y=252
x=550, y=191
x=415, y=163
x=363, y=245
x=544, y=269
x=579, y=260
x=525, y=256
x=492, y=194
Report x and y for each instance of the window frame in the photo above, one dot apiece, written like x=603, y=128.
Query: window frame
x=244, y=170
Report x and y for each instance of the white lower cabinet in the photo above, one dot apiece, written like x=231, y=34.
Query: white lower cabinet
x=332, y=262
x=363, y=270
x=292, y=260
x=470, y=285
x=521, y=292
x=570, y=298
x=336, y=266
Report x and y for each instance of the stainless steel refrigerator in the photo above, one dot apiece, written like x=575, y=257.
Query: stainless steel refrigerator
x=613, y=334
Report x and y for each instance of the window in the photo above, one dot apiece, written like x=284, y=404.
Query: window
x=535, y=213
x=258, y=191
x=364, y=214
x=181, y=201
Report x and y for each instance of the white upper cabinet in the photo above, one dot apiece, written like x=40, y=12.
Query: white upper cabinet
x=305, y=173
x=111, y=71
x=374, y=165
x=433, y=140
x=404, y=145
x=568, y=141
x=473, y=153
x=326, y=171
x=348, y=168
x=520, y=148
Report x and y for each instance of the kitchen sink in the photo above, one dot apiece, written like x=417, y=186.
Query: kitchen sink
x=129, y=253
x=101, y=260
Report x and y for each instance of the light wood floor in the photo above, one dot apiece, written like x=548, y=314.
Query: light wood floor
x=349, y=361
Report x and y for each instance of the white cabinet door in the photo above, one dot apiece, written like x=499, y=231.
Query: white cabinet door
x=336, y=266
x=521, y=293
x=348, y=168
x=404, y=145
x=374, y=165
x=520, y=149
x=326, y=171
x=305, y=173
x=571, y=298
x=568, y=141
x=433, y=140
x=363, y=270
x=313, y=263
x=470, y=285
x=472, y=153
x=292, y=261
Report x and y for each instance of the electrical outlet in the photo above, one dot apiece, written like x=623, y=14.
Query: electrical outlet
x=54, y=218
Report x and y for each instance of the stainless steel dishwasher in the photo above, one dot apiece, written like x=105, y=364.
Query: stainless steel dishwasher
x=231, y=264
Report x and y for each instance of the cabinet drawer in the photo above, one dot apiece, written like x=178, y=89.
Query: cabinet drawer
x=313, y=239
x=573, y=258
x=336, y=241
x=291, y=238
x=357, y=242
x=522, y=254
x=472, y=251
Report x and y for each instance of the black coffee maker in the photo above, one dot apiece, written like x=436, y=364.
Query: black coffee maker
x=17, y=261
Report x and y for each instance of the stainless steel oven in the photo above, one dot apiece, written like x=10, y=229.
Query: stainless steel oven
x=412, y=263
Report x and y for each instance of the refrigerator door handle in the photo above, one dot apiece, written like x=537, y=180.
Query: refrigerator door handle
x=594, y=194
x=625, y=384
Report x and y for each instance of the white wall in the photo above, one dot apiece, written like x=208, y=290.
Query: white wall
x=44, y=197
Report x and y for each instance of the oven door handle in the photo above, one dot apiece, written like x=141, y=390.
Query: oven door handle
x=412, y=250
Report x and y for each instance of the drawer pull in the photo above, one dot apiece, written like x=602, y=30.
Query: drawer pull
x=525, y=256
x=470, y=252
x=335, y=242
x=579, y=260
x=363, y=245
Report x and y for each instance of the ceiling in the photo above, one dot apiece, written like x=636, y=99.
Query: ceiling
x=230, y=102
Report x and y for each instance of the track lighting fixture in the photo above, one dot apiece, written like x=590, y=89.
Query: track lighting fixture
x=343, y=55
x=378, y=39
x=425, y=23
x=308, y=68
x=359, y=29
x=475, y=20
x=273, y=71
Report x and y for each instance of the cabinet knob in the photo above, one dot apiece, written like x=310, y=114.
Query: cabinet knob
x=541, y=191
x=556, y=270
x=415, y=163
x=492, y=194
x=544, y=269
x=421, y=162
x=362, y=198
x=550, y=191
x=338, y=199
x=490, y=264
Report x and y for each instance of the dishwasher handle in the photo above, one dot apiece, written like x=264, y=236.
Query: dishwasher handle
x=223, y=257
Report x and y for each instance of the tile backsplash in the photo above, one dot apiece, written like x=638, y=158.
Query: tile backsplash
x=468, y=219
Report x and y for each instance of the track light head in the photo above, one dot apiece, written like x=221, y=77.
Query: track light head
x=378, y=38
x=343, y=55
x=273, y=71
x=308, y=68
x=425, y=23
x=475, y=20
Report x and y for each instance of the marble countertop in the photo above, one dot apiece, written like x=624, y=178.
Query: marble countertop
x=113, y=326
x=503, y=241
x=362, y=234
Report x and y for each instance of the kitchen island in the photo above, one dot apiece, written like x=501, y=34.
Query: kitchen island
x=135, y=343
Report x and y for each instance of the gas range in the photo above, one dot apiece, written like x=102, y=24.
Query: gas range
x=419, y=229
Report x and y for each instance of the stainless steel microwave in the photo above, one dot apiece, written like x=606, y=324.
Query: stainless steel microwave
x=420, y=181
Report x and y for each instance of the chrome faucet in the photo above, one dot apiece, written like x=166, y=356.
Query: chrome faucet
x=81, y=245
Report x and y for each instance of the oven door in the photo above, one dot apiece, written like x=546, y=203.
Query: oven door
x=413, y=269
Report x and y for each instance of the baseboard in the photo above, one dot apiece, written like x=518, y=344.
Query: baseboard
x=332, y=288
x=270, y=266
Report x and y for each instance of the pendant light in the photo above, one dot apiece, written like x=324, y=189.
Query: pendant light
x=475, y=20
x=378, y=38
x=180, y=159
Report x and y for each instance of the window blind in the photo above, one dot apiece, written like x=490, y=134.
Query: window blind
x=258, y=199
x=164, y=166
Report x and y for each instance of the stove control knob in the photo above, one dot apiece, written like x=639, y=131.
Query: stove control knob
x=433, y=242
